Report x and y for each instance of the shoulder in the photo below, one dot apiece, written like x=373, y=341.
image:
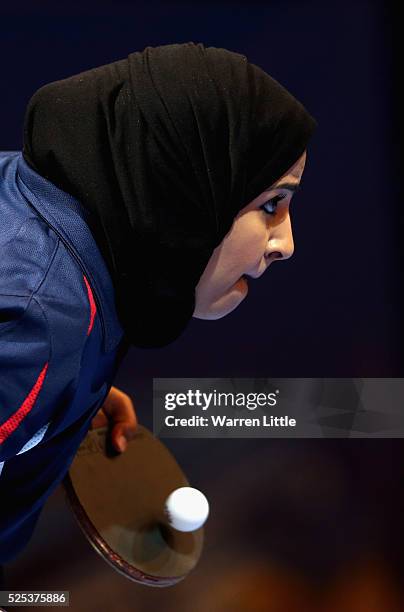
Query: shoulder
x=27, y=244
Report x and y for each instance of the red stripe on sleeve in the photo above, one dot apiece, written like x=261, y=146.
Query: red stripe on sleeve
x=93, y=307
x=13, y=422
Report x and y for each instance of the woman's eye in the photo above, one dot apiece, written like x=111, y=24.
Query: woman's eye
x=270, y=206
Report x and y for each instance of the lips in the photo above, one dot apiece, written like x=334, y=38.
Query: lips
x=261, y=273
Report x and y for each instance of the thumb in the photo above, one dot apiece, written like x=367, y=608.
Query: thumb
x=121, y=434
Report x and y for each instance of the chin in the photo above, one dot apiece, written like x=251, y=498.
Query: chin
x=221, y=307
x=210, y=316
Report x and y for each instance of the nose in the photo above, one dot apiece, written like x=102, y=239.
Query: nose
x=281, y=245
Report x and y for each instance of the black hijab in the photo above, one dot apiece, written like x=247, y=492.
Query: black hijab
x=163, y=149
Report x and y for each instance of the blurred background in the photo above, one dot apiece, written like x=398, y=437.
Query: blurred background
x=297, y=524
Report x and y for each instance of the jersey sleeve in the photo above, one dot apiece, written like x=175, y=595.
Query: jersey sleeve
x=25, y=355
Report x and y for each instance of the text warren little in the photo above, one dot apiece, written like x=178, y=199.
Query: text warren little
x=224, y=421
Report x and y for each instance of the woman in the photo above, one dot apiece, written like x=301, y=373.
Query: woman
x=147, y=191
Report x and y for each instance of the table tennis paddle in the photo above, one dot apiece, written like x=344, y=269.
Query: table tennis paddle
x=119, y=503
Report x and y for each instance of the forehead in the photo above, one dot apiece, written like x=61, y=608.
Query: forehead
x=300, y=163
x=292, y=176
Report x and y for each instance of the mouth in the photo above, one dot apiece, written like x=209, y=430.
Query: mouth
x=254, y=277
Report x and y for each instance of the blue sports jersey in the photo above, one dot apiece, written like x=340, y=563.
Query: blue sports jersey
x=61, y=341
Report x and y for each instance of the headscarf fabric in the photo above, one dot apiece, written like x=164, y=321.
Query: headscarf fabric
x=163, y=149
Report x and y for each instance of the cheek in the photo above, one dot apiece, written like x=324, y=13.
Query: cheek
x=239, y=252
x=250, y=241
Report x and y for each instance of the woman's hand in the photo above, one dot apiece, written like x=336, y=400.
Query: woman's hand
x=118, y=408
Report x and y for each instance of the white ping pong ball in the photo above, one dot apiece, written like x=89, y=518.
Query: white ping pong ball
x=187, y=509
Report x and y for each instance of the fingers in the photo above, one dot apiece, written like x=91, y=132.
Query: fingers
x=100, y=420
x=119, y=407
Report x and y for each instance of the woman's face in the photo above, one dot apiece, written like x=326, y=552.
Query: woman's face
x=261, y=233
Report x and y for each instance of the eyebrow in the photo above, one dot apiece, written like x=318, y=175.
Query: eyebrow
x=290, y=186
